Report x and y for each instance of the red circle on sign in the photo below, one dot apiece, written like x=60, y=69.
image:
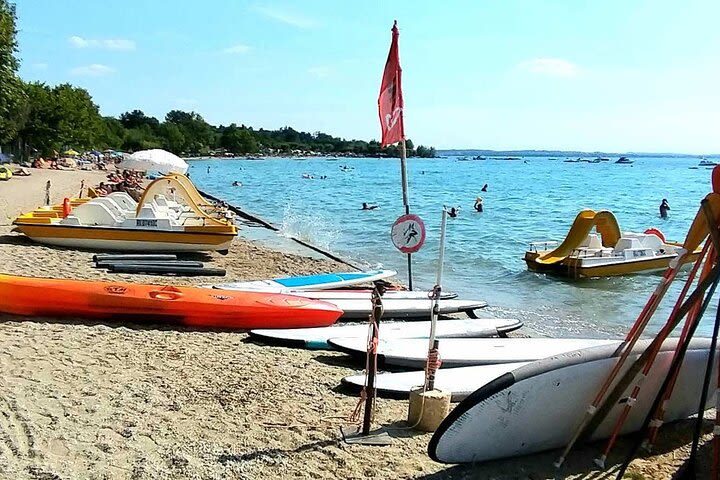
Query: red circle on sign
x=408, y=233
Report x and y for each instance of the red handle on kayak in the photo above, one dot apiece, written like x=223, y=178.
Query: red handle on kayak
x=169, y=294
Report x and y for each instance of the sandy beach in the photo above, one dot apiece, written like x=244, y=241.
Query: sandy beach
x=83, y=399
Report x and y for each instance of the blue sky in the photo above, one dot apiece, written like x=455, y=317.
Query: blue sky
x=613, y=75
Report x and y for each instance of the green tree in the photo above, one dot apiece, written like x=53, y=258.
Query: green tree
x=12, y=95
x=111, y=133
x=60, y=117
x=238, y=140
x=199, y=135
x=172, y=137
x=137, y=118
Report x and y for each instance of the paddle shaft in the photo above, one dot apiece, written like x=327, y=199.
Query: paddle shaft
x=672, y=372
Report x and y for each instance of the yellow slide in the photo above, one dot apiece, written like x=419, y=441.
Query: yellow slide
x=603, y=221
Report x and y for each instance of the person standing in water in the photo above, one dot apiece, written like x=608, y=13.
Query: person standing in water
x=478, y=204
x=664, y=207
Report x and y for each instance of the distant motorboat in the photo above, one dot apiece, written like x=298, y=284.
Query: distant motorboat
x=624, y=160
x=706, y=163
x=603, y=159
x=478, y=157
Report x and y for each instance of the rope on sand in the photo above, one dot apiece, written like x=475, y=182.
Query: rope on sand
x=270, y=226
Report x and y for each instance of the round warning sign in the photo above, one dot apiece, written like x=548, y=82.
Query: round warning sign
x=408, y=233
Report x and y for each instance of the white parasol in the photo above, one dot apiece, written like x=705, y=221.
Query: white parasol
x=156, y=160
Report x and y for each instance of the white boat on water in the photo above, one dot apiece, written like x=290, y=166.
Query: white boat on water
x=605, y=252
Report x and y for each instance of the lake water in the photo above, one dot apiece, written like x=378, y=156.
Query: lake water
x=527, y=200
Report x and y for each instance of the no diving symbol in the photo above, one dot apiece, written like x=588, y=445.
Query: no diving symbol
x=408, y=233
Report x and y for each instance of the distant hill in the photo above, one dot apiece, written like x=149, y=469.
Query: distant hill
x=561, y=153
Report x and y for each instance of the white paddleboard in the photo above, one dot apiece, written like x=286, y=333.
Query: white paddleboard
x=366, y=294
x=458, y=352
x=310, y=282
x=459, y=382
x=317, y=337
x=538, y=406
x=354, y=309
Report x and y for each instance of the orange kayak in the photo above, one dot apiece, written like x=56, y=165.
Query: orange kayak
x=167, y=304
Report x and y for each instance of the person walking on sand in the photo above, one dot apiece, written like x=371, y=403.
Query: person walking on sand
x=664, y=207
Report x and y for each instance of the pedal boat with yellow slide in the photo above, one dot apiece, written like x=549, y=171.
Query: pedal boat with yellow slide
x=603, y=252
x=116, y=222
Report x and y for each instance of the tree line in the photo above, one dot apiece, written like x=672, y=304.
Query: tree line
x=36, y=118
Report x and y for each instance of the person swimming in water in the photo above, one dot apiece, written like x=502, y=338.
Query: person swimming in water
x=453, y=212
x=478, y=204
x=664, y=207
x=365, y=206
x=236, y=184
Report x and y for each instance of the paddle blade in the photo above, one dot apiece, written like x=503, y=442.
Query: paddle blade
x=699, y=228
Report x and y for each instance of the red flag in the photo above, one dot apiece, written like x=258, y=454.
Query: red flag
x=390, y=101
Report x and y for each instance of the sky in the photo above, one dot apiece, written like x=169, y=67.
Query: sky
x=611, y=75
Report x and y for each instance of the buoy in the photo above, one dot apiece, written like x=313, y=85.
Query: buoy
x=427, y=410
x=66, y=207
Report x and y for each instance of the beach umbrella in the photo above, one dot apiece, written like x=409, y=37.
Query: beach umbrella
x=70, y=152
x=156, y=160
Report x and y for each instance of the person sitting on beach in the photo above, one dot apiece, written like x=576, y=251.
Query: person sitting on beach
x=664, y=207
x=478, y=204
x=484, y=188
x=102, y=189
x=365, y=206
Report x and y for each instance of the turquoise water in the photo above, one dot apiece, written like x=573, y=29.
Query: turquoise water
x=527, y=200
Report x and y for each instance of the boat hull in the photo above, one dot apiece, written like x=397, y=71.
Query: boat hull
x=571, y=267
x=191, y=306
x=120, y=239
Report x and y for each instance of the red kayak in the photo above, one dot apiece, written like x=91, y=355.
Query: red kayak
x=163, y=304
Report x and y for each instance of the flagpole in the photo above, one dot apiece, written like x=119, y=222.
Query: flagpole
x=406, y=202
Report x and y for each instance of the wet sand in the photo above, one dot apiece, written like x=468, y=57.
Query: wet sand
x=82, y=399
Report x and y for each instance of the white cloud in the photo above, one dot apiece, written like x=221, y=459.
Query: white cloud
x=286, y=16
x=552, y=67
x=320, y=71
x=237, y=49
x=94, y=70
x=39, y=66
x=109, y=44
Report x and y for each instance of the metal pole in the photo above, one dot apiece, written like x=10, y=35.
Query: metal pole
x=438, y=278
x=406, y=201
x=433, y=344
x=372, y=358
